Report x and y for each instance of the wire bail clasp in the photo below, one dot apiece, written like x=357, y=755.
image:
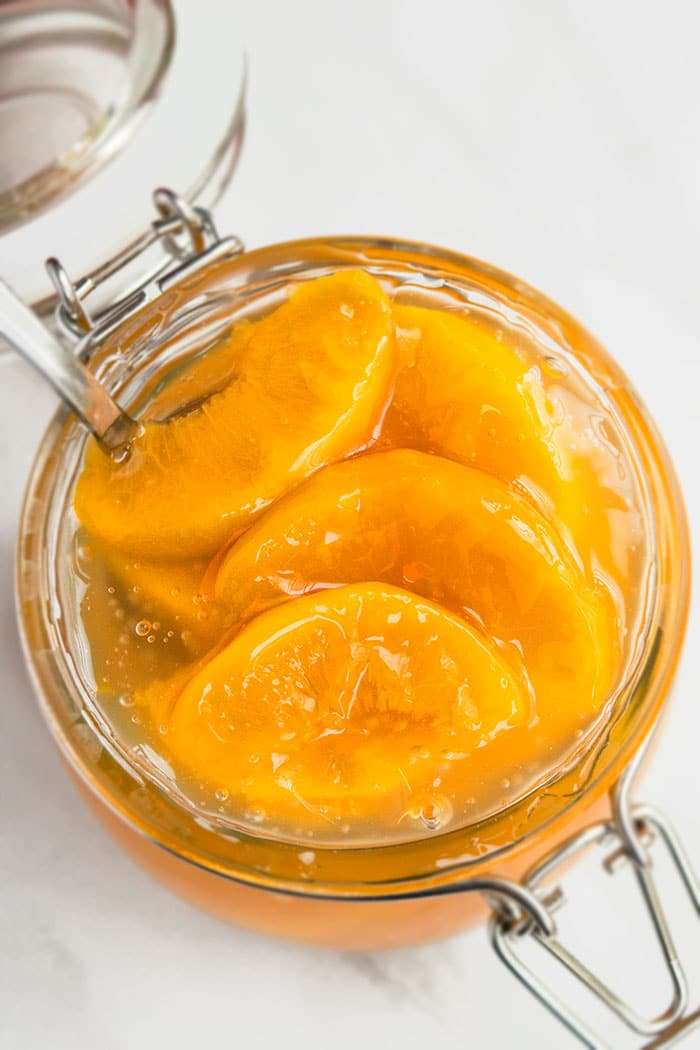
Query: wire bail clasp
x=187, y=234
x=632, y=832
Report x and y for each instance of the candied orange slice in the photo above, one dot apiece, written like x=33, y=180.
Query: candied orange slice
x=467, y=395
x=312, y=381
x=452, y=534
x=338, y=698
x=198, y=378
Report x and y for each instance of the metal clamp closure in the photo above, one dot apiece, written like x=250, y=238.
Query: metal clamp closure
x=630, y=834
x=189, y=237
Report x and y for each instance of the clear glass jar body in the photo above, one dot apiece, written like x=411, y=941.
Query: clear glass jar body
x=349, y=897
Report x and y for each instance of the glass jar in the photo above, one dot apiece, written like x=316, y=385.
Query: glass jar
x=170, y=305
x=345, y=897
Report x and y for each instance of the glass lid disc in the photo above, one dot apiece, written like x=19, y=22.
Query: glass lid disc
x=101, y=102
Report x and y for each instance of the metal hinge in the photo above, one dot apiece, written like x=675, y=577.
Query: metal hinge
x=627, y=838
x=189, y=237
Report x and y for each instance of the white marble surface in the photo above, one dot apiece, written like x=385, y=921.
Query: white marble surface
x=557, y=139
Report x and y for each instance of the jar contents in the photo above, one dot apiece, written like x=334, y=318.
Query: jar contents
x=368, y=571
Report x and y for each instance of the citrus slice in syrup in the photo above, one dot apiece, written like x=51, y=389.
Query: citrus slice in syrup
x=451, y=534
x=311, y=384
x=343, y=699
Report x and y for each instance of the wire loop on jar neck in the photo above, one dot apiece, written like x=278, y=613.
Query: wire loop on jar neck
x=190, y=239
x=633, y=830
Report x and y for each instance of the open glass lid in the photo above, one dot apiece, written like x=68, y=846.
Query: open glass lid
x=101, y=101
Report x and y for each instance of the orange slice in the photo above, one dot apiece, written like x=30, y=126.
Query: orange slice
x=311, y=384
x=452, y=534
x=465, y=394
x=338, y=699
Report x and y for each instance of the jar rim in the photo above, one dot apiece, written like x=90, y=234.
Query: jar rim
x=427, y=861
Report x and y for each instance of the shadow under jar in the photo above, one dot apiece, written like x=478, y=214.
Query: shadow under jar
x=355, y=895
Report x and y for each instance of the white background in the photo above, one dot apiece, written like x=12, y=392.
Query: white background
x=558, y=140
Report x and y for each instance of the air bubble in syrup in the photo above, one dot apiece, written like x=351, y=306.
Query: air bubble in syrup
x=435, y=812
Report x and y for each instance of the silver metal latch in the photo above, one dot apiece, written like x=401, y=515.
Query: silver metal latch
x=189, y=237
x=627, y=838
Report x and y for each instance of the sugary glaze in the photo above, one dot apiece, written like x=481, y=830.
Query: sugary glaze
x=374, y=585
